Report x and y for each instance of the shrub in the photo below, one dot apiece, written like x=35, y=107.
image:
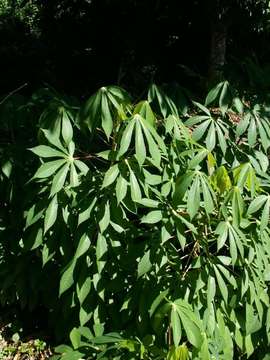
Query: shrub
x=149, y=226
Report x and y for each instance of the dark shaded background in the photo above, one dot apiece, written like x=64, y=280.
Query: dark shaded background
x=77, y=46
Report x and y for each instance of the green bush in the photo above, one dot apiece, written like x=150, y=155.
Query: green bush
x=142, y=227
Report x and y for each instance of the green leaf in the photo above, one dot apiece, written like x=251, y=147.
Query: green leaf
x=191, y=327
x=221, y=180
x=45, y=151
x=249, y=345
x=238, y=105
x=153, y=147
x=157, y=301
x=193, y=120
x=144, y=109
x=71, y=149
x=221, y=284
x=67, y=131
x=237, y=206
x=211, y=289
x=67, y=279
x=193, y=202
x=213, y=94
x=75, y=338
x=51, y=214
x=84, y=316
x=181, y=186
x=224, y=97
x=153, y=217
x=144, y=264
x=176, y=326
x=83, y=246
x=106, y=116
x=203, y=108
x=48, y=168
x=101, y=250
x=233, y=248
x=134, y=187
x=256, y=204
x=252, y=133
x=59, y=179
x=148, y=203
x=110, y=175
x=140, y=151
x=263, y=136
x=243, y=125
x=54, y=139
x=198, y=133
x=211, y=138
x=126, y=137
x=121, y=189
x=265, y=215
x=74, y=179
x=222, y=231
x=81, y=166
x=221, y=140
x=105, y=221
x=207, y=197
x=197, y=159
x=83, y=290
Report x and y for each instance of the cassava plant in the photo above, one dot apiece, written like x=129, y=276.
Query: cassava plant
x=152, y=226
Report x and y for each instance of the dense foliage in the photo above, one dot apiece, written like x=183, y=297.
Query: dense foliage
x=142, y=227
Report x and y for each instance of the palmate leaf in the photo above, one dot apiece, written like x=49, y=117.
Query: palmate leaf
x=200, y=188
x=212, y=130
x=57, y=121
x=191, y=324
x=164, y=104
x=221, y=92
x=255, y=126
x=233, y=236
x=104, y=107
x=65, y=163
x=144, y=109
x=147, y=141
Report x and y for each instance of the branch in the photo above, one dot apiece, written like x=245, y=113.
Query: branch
x=12, y=93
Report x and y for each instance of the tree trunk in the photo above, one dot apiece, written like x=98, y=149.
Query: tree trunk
x=217, y=52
